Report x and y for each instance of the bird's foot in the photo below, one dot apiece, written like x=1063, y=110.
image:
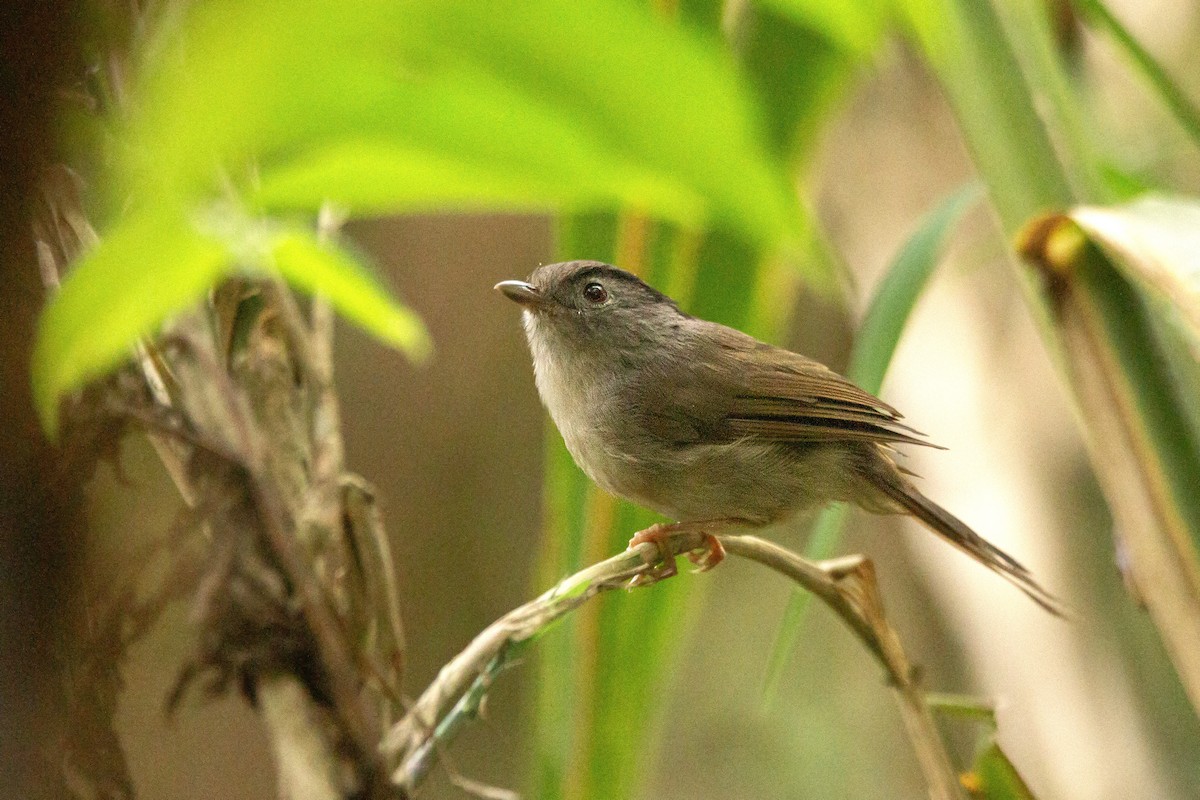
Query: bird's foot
x=708, y=556
x=704, y=557
x=665, y=568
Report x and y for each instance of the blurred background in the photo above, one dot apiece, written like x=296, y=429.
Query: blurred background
x=1087, y=708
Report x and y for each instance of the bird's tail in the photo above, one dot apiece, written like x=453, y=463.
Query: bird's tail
x=955, y=531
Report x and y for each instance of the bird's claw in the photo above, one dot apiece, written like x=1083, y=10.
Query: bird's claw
x=708, y=556
x=665, y=568
x=705, y=557
x=659, y=572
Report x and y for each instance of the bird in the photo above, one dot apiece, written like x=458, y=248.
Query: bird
x=711, y=427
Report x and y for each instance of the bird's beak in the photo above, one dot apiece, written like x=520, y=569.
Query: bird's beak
x=521, y=292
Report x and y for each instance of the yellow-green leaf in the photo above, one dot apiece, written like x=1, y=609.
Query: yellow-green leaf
x=150, y=267
x=529, y=103
x=854, y=25
x=993, y=777
x=315, y=267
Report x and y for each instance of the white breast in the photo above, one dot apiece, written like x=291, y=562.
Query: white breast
x=572, y=391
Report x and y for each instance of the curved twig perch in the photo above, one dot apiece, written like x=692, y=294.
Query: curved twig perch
x=846, y=585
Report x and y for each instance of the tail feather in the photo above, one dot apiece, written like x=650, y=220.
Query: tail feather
x=955, y=531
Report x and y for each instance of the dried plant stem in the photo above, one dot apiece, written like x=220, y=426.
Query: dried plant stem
x=846, y=585
x=307, y=766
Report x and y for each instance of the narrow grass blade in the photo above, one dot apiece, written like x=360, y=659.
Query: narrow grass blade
x=1186, y=112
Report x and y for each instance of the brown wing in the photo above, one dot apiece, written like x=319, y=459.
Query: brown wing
x=787, y=397
x=819, y=419
x=725, y=385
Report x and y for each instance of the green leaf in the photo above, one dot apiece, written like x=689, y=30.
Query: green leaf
x=391, y=107
x=964, y=43
x=1155, y=242
x=798, y=72
x=993, y=777
x=152, y=266
x=1111, y=348
x=856, y=26
x=884, y=322
x=314, y=267
x=158, y=263
x=901, y=287
x=1185, y=112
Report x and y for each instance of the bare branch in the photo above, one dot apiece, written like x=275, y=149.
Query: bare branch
x=846, y=585
x=518, y=625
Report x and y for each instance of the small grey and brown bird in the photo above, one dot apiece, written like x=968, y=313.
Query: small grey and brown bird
x=709, y=426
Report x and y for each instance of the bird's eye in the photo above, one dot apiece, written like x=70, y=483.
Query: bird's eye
x=595, y=293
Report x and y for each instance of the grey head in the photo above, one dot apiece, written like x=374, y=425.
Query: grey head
x=594, y=307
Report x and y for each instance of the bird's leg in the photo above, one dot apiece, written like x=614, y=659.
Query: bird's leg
x=705, y=557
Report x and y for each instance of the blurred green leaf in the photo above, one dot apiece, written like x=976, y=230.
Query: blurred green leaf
x=157, y=264
x=1064, y=114
x=855, y=26
x=703, y=15
x=798, y=73
x=993, y=776
x=395, y=106
x=1140, y=439
x=800, y=69
x=1185, y=112
x=316, y=267
x=1155, y=242
x=384, y=107
x=1121, y=184
x=878, y=335
x=964, y=43
x=149, y=268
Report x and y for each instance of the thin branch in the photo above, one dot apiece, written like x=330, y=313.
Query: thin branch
x=519, y=625
x=369, y=544
x=846, y=585
x=326, y=416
